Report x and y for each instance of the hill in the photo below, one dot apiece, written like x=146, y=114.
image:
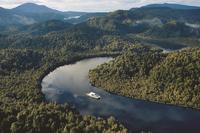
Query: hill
x=137, y=18
x=88, y=35
x=85, y=17
x=172, y=6
x=30, y=13
x=151, y=26
x=174, y=29
x=33, y=8
x=42, y=43
x=22, y=105
x=46, y=27
x=145, y=73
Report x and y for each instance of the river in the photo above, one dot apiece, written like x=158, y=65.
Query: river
x=70, y=84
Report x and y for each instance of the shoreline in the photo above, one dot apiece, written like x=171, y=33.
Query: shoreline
x=142, y=100
x=149, y=101
x=73, y=60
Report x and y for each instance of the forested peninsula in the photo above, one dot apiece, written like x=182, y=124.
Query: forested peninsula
x=147, y=73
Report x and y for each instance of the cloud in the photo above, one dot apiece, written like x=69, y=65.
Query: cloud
x=93, y=5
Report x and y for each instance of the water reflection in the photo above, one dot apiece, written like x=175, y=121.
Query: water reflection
x=70, y=84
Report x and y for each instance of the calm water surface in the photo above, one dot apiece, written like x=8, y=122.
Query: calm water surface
x=70, y=84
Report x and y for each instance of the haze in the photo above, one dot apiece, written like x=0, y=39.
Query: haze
x=93, y=5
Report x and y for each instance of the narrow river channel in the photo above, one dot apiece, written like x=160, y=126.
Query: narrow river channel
x=70, y=84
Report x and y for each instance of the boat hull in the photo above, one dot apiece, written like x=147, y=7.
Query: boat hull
x=94, y=97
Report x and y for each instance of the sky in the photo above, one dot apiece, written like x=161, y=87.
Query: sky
x=93, y=5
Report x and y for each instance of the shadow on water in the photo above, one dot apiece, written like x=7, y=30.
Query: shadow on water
x=70, y=84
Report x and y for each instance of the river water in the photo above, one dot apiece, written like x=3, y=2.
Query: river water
x=70, y=84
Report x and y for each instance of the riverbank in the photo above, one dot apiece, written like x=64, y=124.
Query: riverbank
x=148, y=74
x=147, y=100
x=72, y=81
x=23, y=107
x=67, y=62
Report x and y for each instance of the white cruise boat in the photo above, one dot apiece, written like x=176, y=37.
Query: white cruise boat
x=93, y=95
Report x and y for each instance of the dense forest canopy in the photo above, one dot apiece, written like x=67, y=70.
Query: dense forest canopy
x=149, y=26
x=146, y=73
x=22, y=104
x=30, y=51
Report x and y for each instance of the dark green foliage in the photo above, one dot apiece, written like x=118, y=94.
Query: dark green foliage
x=175, y=29
x=133, y=20
x=150, y=29
x=108, y=24
x=151, y=23
x=46, y=27
x=178, y=76
x=12, y=59
x=26, y=56
x=22, y=104
x=166, y=14
x=80, y=37
x=149, y=74
x=52, y=118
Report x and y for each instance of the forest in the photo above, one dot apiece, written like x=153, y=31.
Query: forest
x=29, y=52
x=147, y=73
x=26, y=57
x=22, y=105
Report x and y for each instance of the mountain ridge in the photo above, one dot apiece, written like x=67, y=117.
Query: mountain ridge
x=172, y=6
x=34, y=8
x=30, y=13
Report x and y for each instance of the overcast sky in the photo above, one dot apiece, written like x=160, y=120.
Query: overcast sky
x=93, y=5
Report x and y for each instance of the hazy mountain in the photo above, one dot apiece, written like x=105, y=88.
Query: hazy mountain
x=85, y=17
x=2, y=9
x=172, y=6
x=144, y=23
x=174, y=29
x=30, y=13
x=34, y=8
x=9, y=19
x=42, y=9
x=141, y=19
x=46, y=27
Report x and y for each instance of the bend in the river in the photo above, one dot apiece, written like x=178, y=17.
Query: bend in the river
x=70, y=84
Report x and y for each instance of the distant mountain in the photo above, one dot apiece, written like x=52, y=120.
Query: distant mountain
x=31, y=9
x=8, y=18
x=74, y=13
x=172, y=6
x=146, y=25
x=2, y=9
x=141, y=19
x=34, y=8
x=85, y=17
x=30, y=13
x=174, y=29
x=46, y=27
x=153, y=26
